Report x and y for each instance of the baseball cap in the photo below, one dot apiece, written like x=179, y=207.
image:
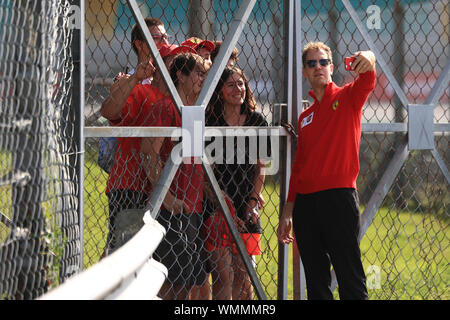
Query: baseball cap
x=196, y=43
x=167, y=50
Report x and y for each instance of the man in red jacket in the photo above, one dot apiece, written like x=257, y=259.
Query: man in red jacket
x=323, y=205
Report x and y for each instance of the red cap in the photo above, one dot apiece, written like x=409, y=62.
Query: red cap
x=197, y=43
x=167, y=50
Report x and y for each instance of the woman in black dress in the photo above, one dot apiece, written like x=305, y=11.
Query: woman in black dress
x=240, y=173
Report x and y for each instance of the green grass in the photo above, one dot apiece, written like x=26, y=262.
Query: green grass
x=410, y=249
x=5, y=192
x=95, y=211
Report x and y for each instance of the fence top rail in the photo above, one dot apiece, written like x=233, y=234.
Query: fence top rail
x=103, y=278
x=176, y=132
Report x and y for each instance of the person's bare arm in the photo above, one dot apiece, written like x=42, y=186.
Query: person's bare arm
x=284, y=231
x=112, y=107
x=258, y=184
x=150, y=149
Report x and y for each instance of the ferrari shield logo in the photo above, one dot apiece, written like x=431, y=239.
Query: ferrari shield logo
x=335, y=105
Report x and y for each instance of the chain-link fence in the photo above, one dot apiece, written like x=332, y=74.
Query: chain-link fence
x=405, y=249
x=413, y=37
x=262, y=60
x=39, y=225
x=404, y=193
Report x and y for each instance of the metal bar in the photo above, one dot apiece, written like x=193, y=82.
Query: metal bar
x=380, y=60
x=378, y=195
x=226, y=48
x=299, y=104
x=441, y=164
x=433, y=97
x=162, y=186
x=383, y=187
x=153, y=132
x=279, y=115
x=234, y=232
x=15, y=177
x=81, y=144
x=155, y=53
x=384, y=127
x=5, y=220
x=292, y=116
x=440, y=86
x=441, y=127
x=176, y=132
x=17, y=124
x=399, y=127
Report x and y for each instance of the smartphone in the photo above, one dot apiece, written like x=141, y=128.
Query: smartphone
x=348, y=63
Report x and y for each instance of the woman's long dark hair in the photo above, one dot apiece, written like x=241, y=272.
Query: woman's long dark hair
x=216, y=105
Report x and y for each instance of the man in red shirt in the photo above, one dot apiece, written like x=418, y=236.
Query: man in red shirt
x=130, y=104
x=121, y=90
x=323, y=205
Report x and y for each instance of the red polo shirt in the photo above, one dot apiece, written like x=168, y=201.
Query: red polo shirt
x=329, y=135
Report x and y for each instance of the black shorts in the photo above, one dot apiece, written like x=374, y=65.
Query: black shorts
x=182, y=249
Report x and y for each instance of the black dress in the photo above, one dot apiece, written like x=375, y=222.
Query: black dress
x=236, y=177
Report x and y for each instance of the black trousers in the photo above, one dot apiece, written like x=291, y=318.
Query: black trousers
x=326, y=226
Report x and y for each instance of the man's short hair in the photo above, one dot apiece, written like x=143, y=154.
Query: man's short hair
x=137, y=34
x=316, y=46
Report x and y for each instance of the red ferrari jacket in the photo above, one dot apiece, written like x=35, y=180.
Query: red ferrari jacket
x=329, y=136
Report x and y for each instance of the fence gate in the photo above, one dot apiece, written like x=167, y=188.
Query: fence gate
x=403, y=182
x=263, y=58
x=50, y=229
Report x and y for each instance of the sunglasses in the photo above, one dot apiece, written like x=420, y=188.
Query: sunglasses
x=160, y=36
x=313, y=63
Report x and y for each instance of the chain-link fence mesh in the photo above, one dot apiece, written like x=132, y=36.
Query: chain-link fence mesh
x=404, y=250
x=262, y=61
x=413, y=39
x=39, y=226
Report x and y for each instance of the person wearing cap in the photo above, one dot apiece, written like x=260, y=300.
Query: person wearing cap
x=203, y=47
x=168, y=53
